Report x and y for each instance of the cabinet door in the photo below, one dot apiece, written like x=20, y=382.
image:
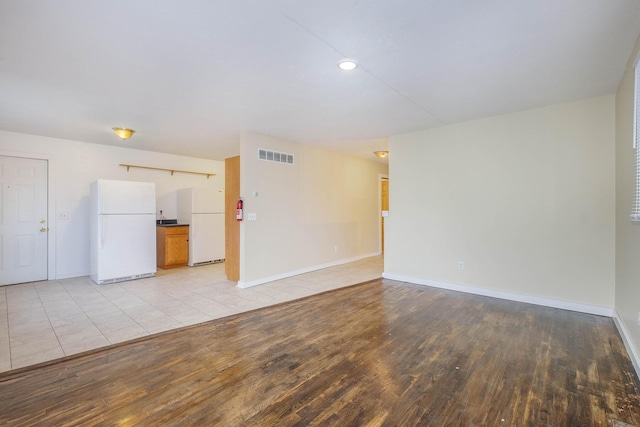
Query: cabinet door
x=177, y=246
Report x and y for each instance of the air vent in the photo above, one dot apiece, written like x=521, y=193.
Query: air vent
x=274, y=156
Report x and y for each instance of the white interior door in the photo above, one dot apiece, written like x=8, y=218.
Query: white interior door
x=23, y=220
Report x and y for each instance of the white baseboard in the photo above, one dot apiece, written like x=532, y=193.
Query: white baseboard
x=71, y=275
x=633, y=354
x=565, y=305
x=257, y=282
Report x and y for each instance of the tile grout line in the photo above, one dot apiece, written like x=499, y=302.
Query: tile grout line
x=116, y=306
x=85, y=314
x=48, y=319
x=165, y=294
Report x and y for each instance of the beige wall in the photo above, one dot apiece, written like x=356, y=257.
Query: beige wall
x=322, y=210
x=74, y=165
x=526, y=200
x=627, y=232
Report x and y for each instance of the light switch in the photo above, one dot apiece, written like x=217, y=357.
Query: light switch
x=385, y=213
x=252, y=216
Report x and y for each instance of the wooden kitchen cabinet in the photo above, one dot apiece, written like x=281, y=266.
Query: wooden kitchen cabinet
x=172, y=246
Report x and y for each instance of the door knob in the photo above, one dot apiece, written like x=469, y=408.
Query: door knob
x=42, y=221
x=43, y=229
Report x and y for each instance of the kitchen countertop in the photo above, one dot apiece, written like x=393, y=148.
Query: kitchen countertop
x=169, y=223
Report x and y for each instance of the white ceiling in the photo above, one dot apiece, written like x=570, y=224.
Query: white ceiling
x=190, y=75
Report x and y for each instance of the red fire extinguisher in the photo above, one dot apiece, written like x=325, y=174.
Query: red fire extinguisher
x=239, y=209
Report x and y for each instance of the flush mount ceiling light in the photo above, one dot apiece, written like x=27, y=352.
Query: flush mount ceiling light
x=381, y=154
x=124, y=133
x=347, y=65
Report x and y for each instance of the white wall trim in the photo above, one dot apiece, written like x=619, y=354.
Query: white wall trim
x=626, y=338
x=242, y=284
x=546, y=302
x=51, y=207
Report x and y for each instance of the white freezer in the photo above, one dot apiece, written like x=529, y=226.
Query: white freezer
x=203, y=210
x=201, y=200
x=206, y=238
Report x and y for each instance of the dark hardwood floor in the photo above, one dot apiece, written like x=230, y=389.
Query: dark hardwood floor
x=382, y=353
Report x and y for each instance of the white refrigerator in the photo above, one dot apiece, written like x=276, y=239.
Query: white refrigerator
x=123, y=231
x=203, y=210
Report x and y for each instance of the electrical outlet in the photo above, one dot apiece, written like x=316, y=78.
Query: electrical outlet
x=335, y=249
x=460, y=265
x=63, y=215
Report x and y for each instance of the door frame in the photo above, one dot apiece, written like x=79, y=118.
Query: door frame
x=51, y=211
x=381, y=176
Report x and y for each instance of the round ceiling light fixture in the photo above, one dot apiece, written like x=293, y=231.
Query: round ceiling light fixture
x=124, y=133
x=347, y=65
x=381, y=154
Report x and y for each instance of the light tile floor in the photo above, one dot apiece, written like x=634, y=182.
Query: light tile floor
x=41, y=321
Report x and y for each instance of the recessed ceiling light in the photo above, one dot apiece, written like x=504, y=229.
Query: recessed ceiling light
x=347, y=65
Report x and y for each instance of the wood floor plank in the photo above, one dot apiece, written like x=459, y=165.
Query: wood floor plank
x=382, y=353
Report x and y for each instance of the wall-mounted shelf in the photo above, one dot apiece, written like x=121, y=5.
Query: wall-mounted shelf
x=168, y=170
